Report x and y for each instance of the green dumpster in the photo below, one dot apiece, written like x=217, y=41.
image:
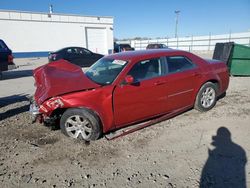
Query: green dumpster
x=239, y=60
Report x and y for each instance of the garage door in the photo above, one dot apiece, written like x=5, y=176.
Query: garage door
x=96, y=40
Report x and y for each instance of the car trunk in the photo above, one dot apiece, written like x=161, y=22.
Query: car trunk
x=59, y=77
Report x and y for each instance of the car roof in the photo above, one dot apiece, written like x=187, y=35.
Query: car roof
x=65, y=48
x=144, y=54
x=155, y=44
x=124, y=44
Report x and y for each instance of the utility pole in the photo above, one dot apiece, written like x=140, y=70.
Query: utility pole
x=50, y=8
x=177, y=12
x=50, y=11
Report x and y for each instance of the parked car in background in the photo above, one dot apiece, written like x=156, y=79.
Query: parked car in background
x=156, y=46
x=6, y=58
x=122, y=47
x=125, y=88
x=76, y=55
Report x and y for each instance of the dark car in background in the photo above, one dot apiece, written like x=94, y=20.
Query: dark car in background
x=6, y=58
x=122, y=47
x=76, y=55
x=156, y=46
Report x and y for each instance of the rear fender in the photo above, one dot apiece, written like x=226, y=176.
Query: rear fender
x=208, y=78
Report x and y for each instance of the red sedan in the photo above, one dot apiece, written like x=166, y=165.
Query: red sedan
x=131, y=88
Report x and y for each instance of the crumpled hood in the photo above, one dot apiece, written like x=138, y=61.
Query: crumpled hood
x=59, y=77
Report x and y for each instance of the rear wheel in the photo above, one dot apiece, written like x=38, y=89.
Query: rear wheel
x=80, y=124
x=206, y=97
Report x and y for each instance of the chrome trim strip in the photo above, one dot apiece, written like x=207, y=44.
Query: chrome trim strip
x=179, y=93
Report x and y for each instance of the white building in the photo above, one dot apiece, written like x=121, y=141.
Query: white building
x=29, y=32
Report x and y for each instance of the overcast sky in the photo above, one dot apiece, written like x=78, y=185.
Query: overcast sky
x=152, y=18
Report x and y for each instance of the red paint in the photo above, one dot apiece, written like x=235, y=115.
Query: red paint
x=63, y=85
x=59, y=77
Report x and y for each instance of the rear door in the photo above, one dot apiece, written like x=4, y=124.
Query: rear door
x=143, y=99
x=182, y=79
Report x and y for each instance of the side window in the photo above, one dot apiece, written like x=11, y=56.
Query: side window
x=87, y=52
x=72, y=51
x=81, y=51
x=69, y=51
x=178, y=64
x=164, y=46
x=147, y=69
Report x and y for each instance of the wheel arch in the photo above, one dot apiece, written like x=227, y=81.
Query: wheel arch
x=96, y=114
x=212, y=80
x=216, y=82
x=59, y=112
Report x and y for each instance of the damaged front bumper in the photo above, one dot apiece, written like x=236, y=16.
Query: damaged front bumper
x=35, y=113
x=43, y=113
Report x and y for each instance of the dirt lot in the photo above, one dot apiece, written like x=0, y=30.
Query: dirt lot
x=173, y=153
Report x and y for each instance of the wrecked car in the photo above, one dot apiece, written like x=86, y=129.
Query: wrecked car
x=124, y=92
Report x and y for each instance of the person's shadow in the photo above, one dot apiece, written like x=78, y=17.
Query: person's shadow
x=225, y=166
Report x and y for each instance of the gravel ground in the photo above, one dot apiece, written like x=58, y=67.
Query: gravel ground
x=173, y=153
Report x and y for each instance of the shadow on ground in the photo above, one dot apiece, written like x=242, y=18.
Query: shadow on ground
x=5, y=101
x=225, y=166
x=16, y=74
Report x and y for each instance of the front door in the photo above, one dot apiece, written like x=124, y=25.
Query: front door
x=145, y=97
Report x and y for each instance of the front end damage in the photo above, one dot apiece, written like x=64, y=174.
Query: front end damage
x=52, y=81
x=42, y=113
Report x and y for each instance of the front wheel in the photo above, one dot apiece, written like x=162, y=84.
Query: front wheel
x=206, y=97
x=80, y=124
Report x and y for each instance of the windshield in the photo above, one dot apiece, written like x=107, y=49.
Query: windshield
x=105, y=70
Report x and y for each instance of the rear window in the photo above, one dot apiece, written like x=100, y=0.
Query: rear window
x=178, y=64
x=84, y=51
x=125, y=46
x=153, y=46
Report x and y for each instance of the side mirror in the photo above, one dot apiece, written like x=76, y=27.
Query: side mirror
x=129, y=79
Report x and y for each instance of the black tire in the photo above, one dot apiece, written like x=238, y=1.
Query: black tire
x=80, y=123
x=205, y=101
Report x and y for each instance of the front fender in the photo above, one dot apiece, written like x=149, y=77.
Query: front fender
x=97, y=100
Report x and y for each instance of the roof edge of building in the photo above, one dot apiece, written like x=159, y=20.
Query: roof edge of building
x=60, y=14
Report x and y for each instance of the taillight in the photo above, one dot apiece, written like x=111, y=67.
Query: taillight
x=10, y=58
